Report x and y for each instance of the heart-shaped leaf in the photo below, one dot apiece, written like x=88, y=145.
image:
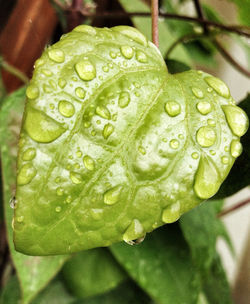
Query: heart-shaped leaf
x=112, y=146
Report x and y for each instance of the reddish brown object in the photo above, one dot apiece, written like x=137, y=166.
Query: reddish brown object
x=22, y=41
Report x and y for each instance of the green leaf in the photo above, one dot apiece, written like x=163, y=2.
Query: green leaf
x=162, y=266
x=113, y=146
x=234, y=181
x=92, y=272
x=10, y=293
x=201, y=228
x=166, y=38
x=243, y=10
x=175, y=66
x=33, y=272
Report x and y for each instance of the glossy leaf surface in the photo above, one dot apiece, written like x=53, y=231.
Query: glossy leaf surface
x=112, y=146
x=33, y=272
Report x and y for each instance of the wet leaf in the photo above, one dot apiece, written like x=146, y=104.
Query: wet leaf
x=33, y=272
x=113, y=146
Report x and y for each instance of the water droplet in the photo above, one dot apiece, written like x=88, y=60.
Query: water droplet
x=79, y=153
x=197, y=92
x=225, y=160
x=76, y=165
x=137, y=241
x=76, y=178
x=47, y=88
x=172, y=213
x=103, y=112
x=107, y=130
x=206, y=136
x=226, y=148
x=32, y=92
x=181, y=136
x=80, y=92
x=86, y=124
x=172, y=108
x=112, y=196
x=211, y=122
x=26, y=174
x=195, y=155
x=59, y=191
x=105, y=69
x=142, y=150
x=236, y=148
x=218, y=85
x=56, y=55
x=87, y=29
x=66, y=108
x=141, y=57
x=124, y=99
x=29, y=154
x=69, y=199
x=13, y=202
x=46, y=72
x=89, y=162
x=174, y=144
x=58, y=209
x=132, y=33
x=212, y=152
x=204, y=107
x=85, y=70
x=112, y=55
x=52, y=106
x=237, y=119
x=127, y=51
x=62, y=83
x=207, y=179
x=209, y=90
x=20, y=219
x=134, y=231
x=39, y=62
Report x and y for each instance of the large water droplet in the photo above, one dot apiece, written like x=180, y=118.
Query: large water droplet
x=174, y=144
x=29, y=154
x=204, y=107
x=132, y=33
x=89, y=162
x=87, y=29
x=197, y=92
x=236, y=148
x=127, y=51
x=124, y=99
x=56, y=55
x=80, y=92
x=26, y=174
x=207, y=179
x=107, y=130
x=75, y=178
x=206, y=136
x=172, y=108
x=171, y=213
x=237, y=119
x=112, y=196
x=218, y=85
x=85, y=70
x=66, y=108
x=141, y=57
x=134, y=231
x=103, y=112
x=32, y=91
x=41, y=127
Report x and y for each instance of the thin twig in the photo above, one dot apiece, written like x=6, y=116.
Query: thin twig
x=233, y=208
x=200, y=14
x=230, y=59
x=14, y=71
x=154, y=18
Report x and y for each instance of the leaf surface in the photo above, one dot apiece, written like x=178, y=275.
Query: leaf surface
x=33, y=272
x=112, y=146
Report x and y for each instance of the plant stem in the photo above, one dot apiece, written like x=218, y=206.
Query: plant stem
x=154, y=17
x=233, y=208
x=14, y=71
x=200, y=14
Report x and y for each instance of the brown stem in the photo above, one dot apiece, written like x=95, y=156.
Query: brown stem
x=154, y=17
x=230, y=59
x=200, y=14
x=233, y=208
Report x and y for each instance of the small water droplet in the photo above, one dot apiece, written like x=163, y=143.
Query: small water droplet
x=26, y=174
x=58, y=209
x=105, y=69
x=66, y=108
x=103, y=112
x=209, y=90
x=218, y=85
x=124, y=99
x=237, y=119
x=206, y=136
x=32, y=91
x=89, y=162
x=236, y=148
x=195, y=155
x=56, y=55
x=134, y=231
x=174, y=144
x=127, y=51
x=172, y=213
x=226, y=148
x=69, y=199
x=52, y=106
x=212, y=152
x=197, y=92
x=85, y=70
x=47, y=88
x=46, y=72
x=172, y=108
x=113, y=55
x=29, y=154
x=20, y=219
x=77, y=166
x=93, y=133
x=13, y=202
x=142, y=150
x=62, y=83
x=86, y=29
x=80, y=92
x=86, y=124
x=225, y=160
x=79, y=153
x=59, y=191
x=141, y=57
x=112, y=195
x=75, y=178
x=211, y=122
x=107, y=130
x=204, y=107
